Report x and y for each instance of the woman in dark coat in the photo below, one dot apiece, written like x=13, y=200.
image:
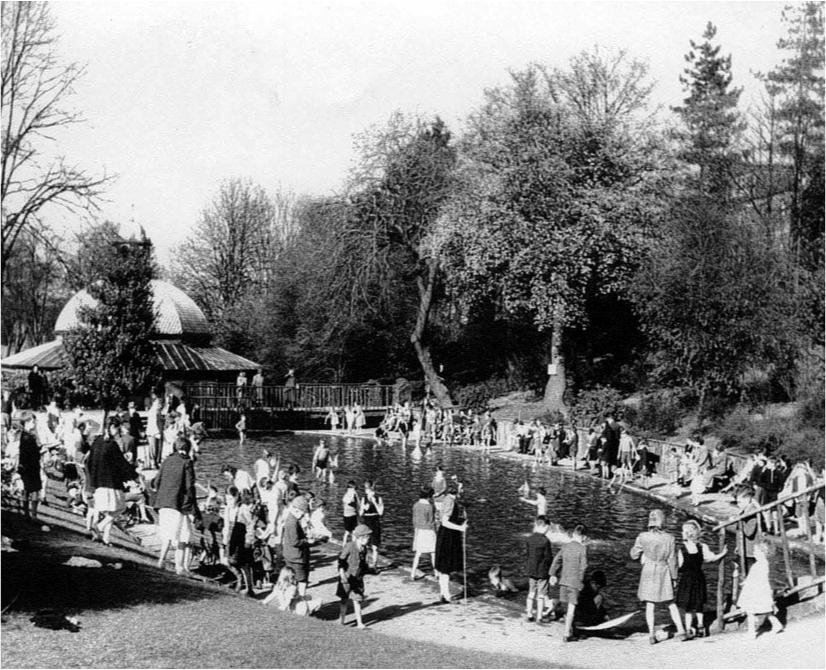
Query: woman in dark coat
x=29, y=465
x=107, y=470
x=450, y=541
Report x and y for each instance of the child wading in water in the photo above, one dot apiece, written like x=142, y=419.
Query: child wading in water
x=757, y=598
x=241, y=427
x=352, y=566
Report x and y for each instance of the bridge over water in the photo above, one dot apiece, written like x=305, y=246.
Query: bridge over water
x=272, y=407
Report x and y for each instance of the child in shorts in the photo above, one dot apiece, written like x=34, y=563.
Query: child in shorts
x=352, y=566
x=571, y=562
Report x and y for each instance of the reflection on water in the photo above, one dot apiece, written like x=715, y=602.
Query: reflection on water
x=498, y=521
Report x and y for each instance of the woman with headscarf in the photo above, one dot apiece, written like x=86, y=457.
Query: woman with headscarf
x=657, y=552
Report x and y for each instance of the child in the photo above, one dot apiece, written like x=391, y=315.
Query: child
x=318, y=529
x=698, y=485
x=591, y=607
x=536, y=566
x=757, y=598
x=671, y=467
x=499, y=582
x=352, y=566
x=642, y=454
x=540, y=503
x=241, y=427
x=571, y=561
x=285, y=593
x=691, y=591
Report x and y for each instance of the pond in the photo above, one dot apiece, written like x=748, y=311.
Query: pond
x=498, y=521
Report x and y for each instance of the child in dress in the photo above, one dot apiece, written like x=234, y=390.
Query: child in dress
x=691, y=591
x=757, y=598
x=499, y=582
x=285, y=595
x=318, y=529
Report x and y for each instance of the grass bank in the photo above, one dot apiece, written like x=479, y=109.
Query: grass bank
x=140, y=617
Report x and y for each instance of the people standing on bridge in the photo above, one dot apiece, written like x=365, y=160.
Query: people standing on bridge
x=258, y=387
x=290, y=385
x=241, y=386
x=656, y=549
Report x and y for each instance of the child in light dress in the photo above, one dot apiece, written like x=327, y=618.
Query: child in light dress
x=285, y=595
x=756, y=598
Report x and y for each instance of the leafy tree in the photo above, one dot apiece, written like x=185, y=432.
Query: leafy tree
x=555, y=197
x=36, y=88
x=711, y=122
x=397, y=191
x=110, y=355
x=714, y=299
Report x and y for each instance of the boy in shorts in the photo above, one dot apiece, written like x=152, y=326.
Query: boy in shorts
x=572, y=562
x=536, y=566
x=352, y=566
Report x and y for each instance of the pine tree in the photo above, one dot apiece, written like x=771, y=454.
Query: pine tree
x=110, y=354
x=797, y=84
x=711, y=121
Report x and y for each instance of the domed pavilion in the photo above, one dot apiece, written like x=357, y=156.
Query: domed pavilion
x=181, y=337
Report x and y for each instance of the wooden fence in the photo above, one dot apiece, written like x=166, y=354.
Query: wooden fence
x=269, y=406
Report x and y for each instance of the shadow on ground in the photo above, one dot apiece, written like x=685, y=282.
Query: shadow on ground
x=35, y=578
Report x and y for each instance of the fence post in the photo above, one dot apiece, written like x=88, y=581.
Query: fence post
x=787, y=559
x=721, y=578
x=811, y=545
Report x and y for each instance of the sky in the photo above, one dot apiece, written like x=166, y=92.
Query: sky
x=178, y=96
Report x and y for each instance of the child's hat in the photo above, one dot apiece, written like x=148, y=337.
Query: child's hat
x=362, y=531
x=301, y=504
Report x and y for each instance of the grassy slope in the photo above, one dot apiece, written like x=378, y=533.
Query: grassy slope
x=139, y=617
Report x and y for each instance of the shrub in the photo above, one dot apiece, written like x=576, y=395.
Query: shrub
x=591, y=406
x=476, y=396
x=659, y=415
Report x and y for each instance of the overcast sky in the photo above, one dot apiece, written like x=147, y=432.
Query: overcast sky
x=179, y=96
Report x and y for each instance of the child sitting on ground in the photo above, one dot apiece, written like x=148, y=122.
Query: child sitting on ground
x=318, y=529
x=499, y=582
x=285, y=595
x=591, y=610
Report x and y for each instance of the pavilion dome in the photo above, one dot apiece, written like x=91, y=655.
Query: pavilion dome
x=176, y=314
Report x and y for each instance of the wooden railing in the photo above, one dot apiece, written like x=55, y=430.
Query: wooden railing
x=220, y=402
x=793, y=586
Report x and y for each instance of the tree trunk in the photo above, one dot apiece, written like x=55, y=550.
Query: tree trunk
x=426, y=284
x=555, y=388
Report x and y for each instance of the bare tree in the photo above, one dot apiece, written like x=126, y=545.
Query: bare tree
x=35, y=89
x=231, y=249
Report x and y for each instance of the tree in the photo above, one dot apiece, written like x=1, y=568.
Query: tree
x=397, y=189
x=798, y=86
x=715, y=299
x=35, y=92
x=34, y=292
x=711, y=122
x=228, y=257
x=555, y=197
x=110, y=355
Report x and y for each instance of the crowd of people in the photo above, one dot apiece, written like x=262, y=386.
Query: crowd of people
x=260, y=530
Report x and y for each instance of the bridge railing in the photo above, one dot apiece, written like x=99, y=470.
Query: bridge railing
x=218, y=402
x=802, y=498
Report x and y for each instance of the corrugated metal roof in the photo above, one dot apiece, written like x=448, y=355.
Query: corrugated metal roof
x=47, y=356
x=173, y=357
x=176, y=314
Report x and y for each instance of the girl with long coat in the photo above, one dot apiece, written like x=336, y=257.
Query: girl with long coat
x=656, y=550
